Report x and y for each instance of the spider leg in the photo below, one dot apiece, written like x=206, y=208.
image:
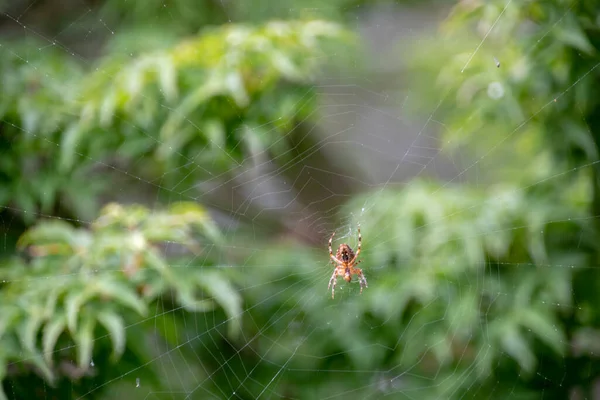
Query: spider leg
x=333, y=258
x=361, y=279
x=358, y=249
x=332, y=281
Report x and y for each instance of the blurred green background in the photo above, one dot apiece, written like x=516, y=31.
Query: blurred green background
x=171, y=171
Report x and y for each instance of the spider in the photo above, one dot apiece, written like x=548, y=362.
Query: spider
x=345, y=263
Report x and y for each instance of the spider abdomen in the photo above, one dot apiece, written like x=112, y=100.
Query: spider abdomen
x=345, y=253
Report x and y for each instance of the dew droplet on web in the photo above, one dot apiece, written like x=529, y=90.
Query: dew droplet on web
x=137, y=382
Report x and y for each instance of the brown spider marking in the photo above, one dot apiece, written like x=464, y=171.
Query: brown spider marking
x=345, y=262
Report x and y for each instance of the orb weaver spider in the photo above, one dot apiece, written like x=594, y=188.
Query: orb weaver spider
x=345, y=262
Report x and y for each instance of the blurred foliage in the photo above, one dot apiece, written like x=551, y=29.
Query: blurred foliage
x=463, y=287
x=80, y=283
x=186, y=16
x=485, y=290
x=537, y=110
x=517, y=84
x=180, y=114
x=216, y=99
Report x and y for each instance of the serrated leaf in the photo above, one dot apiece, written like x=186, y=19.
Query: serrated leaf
x=167, y=77
x=8, y=315
x=517, y=347
x=85, y=342
x=225, y=295
x=559, y=286
x=527, y=283
x=189, y=103
x=235, y=85
x=121, y=293
x=188, y=300
x=73, y=305
x=539, y=323
x=36, y=359
x=50, y=231
x=189, y=210
x=215, y=133
x=253, y=143
x=115, y=327
x=484, y=360
x=155, y=261
x=107, y=108
x=210, y=229
x=282, y=62
x=70, y=139
x=30, y=330
x=51, y=301
x=572, y=34
x=52, y=332
x=194, y=213
x=442, y=350
x=133, y=82
x=580, y=137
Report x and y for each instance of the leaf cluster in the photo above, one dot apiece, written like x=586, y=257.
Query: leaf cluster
x=537, y=109
x=81, y=283
x=464, y=286
x=183, y=113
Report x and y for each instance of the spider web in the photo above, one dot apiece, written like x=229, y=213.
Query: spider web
x=367, y=143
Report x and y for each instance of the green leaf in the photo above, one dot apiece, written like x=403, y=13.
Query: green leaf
x=572, y=34
x=73, y=305
x=579, y=136
x=49, y=231
x=122, y=293
x=23, y=198
x=539, y=322
x=52, y=332
x=190, y=103
x=30, y=329
x=215, y=133
x=225, y=295
x=185, y=293
x=285, y=65
x=235, y=85
x=51, y=300
x=189, y=209
x=36, y=359
x=85, y=341
x=70, y=139
x=167, y=77
x=115, y=327
x=8, y=315
x=194, y=213
x=107, y=108
x=517, y=347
